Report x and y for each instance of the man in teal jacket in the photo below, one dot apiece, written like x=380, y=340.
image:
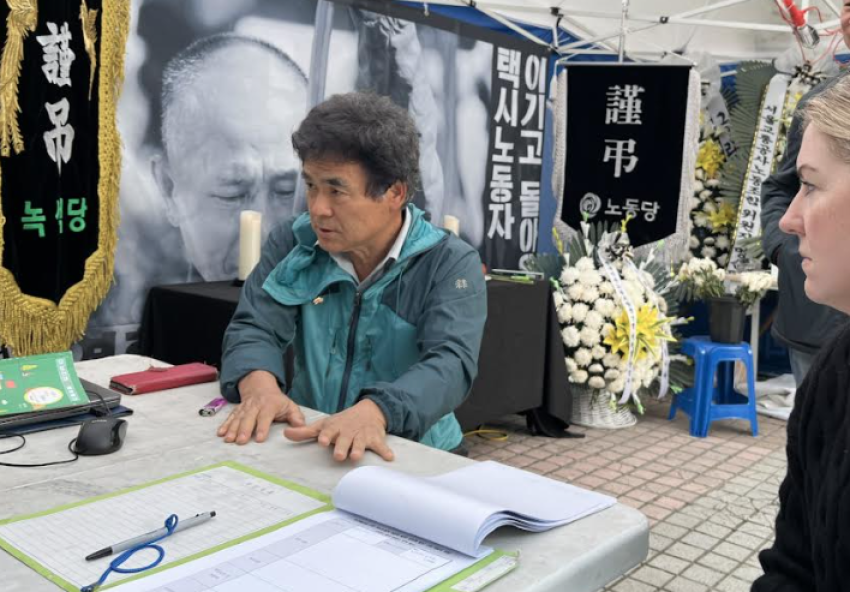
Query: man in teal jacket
x=385, y=311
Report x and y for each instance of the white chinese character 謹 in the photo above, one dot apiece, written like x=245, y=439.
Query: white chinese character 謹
x=60, y=139
x=57, y=55
x=621, y=150
x=624, y=106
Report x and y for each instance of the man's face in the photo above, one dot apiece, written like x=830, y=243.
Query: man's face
x=230, y=150
x=345, y=218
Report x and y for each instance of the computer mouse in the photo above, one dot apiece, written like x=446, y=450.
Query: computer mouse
x=103, y=435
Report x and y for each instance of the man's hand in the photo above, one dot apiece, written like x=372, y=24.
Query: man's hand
x=262, y=403
x=352, y=432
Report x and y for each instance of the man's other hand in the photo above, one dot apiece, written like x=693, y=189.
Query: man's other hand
x=262, y=404
x=351, y=432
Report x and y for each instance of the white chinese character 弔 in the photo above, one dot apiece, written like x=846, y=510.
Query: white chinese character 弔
x=619, y=151
x=60, y=139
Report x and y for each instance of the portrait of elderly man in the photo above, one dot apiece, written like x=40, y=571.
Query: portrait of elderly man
x=385, y=311
x=229, y=106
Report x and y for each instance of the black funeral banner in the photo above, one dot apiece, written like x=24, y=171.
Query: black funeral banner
x=59, y=165
x=515, y=157
x=625, y=137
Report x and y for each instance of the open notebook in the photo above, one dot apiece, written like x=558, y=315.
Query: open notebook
x=459, y=509
x=390, y=532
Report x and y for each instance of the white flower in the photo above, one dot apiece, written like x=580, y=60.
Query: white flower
x=569, y=276
x=605, y=306
x=596, y=382
x=647, y=279
x=578, y=377
x=580, y=311
x=585, y=264
x=590, y=277
x=606, y=288
x=611, y=360
x=612, y=374
x=705, y=194
x=559, y=299
x=698, y=187
x=606, y=329
x=722, y=242
x=590, y=295
x=570, y=336
x=576, y=291
x=700, y=174
x=596, y=369
x=565, y=313
x=598, y=352
x=693, y=242
x=571, y=365
x=593, y=320
x=700, y=220
x=629, y=274
x=710, y=240
x=723, y=259
x=709, y=207
x=617, y=386
x=589, y=337
x=708, y=252
x=712, y=183
x=582, y=357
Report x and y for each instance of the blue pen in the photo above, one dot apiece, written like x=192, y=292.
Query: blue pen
x=145, y=541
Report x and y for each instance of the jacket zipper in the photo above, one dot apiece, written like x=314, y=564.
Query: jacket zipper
x=349, y=356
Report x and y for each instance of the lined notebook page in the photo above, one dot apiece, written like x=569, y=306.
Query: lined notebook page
x=243, y=504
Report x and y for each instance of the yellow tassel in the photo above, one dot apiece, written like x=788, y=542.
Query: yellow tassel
x=31, y=325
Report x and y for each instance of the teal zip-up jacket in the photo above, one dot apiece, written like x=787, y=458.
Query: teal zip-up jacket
x=409, y=341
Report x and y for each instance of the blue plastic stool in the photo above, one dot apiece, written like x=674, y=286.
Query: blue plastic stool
x=704, y=402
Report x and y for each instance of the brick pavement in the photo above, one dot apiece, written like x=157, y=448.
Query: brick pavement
x=711, y=502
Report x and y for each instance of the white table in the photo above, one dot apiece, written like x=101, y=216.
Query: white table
x=167, y=436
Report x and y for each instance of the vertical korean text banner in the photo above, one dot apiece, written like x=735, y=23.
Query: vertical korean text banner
x=61, y=68
x=625, y=138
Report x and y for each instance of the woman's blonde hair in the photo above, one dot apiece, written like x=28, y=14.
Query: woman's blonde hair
x=829, y=112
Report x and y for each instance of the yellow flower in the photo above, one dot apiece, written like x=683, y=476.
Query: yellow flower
x=723, y=216
x=650, y=329
x=710, y=157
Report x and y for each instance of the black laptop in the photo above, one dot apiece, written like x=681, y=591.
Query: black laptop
x=102, y=401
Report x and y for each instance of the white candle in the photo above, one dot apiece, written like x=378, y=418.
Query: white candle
x=250, y=238
x=451, y=224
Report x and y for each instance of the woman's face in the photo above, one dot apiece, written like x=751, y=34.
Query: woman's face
x=820, y=216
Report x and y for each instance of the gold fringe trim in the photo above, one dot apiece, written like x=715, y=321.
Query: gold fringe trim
x=20, y=22
x=88, y=18
x=32, y=325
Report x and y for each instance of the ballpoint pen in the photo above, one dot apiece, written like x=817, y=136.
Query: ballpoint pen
x=151, y=536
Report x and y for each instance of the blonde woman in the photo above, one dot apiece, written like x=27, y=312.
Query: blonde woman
x=811, y=552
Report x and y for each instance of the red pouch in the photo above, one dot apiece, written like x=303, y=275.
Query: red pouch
x=160, y=379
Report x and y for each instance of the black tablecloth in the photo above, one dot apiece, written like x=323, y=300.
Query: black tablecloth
x=520, y=369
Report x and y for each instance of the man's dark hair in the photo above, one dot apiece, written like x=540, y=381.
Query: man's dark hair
x=365, y=128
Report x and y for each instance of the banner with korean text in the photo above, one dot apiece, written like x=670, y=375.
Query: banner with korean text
x=61, y=68
x=625, y=147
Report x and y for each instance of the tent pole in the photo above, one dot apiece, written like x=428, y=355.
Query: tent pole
x=624, y=15
x=831, y=5
x=502, y=20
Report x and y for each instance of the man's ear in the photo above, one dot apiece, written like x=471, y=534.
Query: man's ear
x=161, y=172
x=396, y=195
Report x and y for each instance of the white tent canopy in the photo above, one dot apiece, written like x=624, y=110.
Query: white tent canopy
x=730, y=30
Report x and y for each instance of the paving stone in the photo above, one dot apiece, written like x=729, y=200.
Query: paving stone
x=703, y=575
x=719, y=562
x=651, y=575
x=670, y=530
x=684, y=551
x=630, y=585
x=669, y=563
x=681, y=584
x=731, y=584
